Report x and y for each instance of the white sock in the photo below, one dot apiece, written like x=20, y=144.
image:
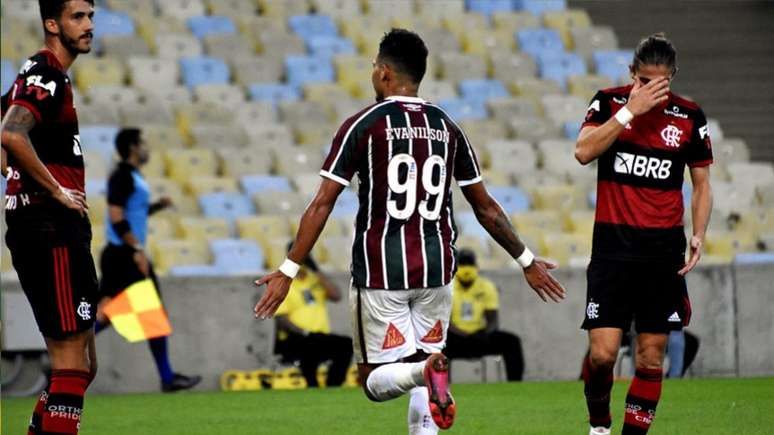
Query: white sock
x=393, y=380
x=420, y=422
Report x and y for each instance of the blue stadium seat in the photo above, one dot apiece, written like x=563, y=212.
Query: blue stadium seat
x=512, y=199
x=488, y=7
x=539, y=41
x=461, y=109
x=347, y=205
x=96, y=187
x=196, y=270
x=273, y=92
x=112, y=23
x=468, y=225
x=308, y=69
x=212, y=24
x=325, y=46
x=7, y=76
x=538, y=7
x=755, y=258
x=560, y=66
x=252, y=184
x=571, y=129
x=612, y=63
x=227, y=205
x=237, y=257
x=99, y=139
x=482, y=89
x=204, y=70
x=308, y=26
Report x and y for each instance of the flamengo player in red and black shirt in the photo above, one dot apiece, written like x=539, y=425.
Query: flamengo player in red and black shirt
x=49, y=234
x=405, y=152
x=643, y=136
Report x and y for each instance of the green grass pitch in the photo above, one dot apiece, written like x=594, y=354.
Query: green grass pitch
x=715, y=406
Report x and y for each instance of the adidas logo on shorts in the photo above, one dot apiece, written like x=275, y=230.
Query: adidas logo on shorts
x=674, y=317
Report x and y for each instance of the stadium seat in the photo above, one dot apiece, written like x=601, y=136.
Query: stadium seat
x=308, y=69
x=274, y=137
x=96, y=113
x=255, y=112
x=215, y=137
x=513, y=21
x=563, y=108
x=116, y=95
x=7, y=75
x=250, y=160
x=751, y=174
x=326, y=94
x=715, y=131
x=337, y=8
x=533, y=129
x=284, y=203
x=237, y=257
x=178, y=46
x=161, y=136
x=197, y=114
x=203, y=70
x=96, y=187
x=197, y=270
x=505, y=109
x=460, y=109
x=539, y=7
x=112, y=23
x=300, y=161
x=263, y=228
x=306, y=184
x=568, y=249
x=613, y=64
x=160, y=228
x=233, y=9
x=507, y=66
x=233, y=48
x=181, y=9
x=144, y=113
x=534, y=88
x=310, y=26
x=482, y=90
x=254, y=184
x=468, y=225
x=203, y=228
x=226, y=205
x=253, y=26
x=298, y=112
x=489, y=7
x=587, y=40
x=441, y=40
x=390, y=8
x=586, y=86
x=511, y=156
x=566, y=20
x=92, y=71
x=582, y=222
x=124, y=46
x=21, y=10
x=257, y=69
x=731, y=150
x=185, y=163
x=347, y=205
x=727, y=244
x=481, y=132
x=279, y=44
x=572, y=129
x=562, y=197
x=512, y=199
x=201, y=185
x=274, y=92
x=732, y=198
x=335, y=247
x=205, y=25
x=96, y=165
x=282, y=9
x=546, y=221
x=455, y=66
x=539, y=41
x=167, y=187
x=153, y=73
x=437, y=90
x=329, y=46
x=99, y=139
x=560, y=66
x=171, y=253
x=228, y=96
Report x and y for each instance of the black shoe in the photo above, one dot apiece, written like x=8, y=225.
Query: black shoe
x=181, y=382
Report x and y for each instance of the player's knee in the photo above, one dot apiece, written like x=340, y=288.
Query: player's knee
x=649, y=359
x=368, y=392
x=603, y=358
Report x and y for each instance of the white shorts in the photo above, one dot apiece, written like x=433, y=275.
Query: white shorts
x=389, y=325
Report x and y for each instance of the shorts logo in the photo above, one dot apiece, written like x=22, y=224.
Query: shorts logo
x=675, y=317
x=434, y=335
x=641, y=166
x=393, y=338
x=671, y=136
x=84, y=310
x=592, y=310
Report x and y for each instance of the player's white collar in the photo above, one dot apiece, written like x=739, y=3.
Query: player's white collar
x=404, y=99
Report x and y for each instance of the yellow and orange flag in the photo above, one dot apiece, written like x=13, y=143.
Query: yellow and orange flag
x=137, y=313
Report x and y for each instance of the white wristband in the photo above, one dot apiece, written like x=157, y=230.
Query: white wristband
x=289, y=268
x=526, y=258
x=624, y=116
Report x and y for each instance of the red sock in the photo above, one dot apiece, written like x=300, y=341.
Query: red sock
x=37, y=415
x=62, y=415
x=641, y=401
x=598, y=383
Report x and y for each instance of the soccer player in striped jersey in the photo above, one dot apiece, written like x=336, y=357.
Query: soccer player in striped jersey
x=643, y=136
x=405, y=152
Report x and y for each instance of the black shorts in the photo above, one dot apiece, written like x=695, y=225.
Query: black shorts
x=651, y=294
x=51, y=252
x=119, y=270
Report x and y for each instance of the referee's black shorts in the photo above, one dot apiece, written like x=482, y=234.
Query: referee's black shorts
x=651, y=294
x=51, y=252
x=119, y=270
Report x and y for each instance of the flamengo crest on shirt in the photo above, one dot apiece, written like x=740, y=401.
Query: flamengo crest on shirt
x=393, y=338
x=435, y=335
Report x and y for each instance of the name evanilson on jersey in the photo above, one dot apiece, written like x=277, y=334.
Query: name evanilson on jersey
x=417, y=133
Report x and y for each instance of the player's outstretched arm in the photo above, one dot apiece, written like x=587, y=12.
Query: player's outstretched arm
x=701, y=208
x=594, y=141
x=492, y=217
x=17, y=124
x=312, y=224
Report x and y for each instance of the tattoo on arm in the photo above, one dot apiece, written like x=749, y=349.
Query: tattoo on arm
x=18, y=120
x=497, y=224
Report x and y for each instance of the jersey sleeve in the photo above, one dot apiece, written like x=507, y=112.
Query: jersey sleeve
x=699, y=150
x=344, y=157
x=466, y=168
x=491, y=298
x=120, y=187
x=598, y=111
x=40, y=89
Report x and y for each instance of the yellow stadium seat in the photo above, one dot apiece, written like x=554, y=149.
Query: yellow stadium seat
x=534, y=88
x=333, y=228
x=352, y=69
x=150, y=27
x=480, y=133
x=325, y=94
x=586, y=86
x=21, y=48
x=201, y=228
x=95, y=71
x=160, y=228
x=170, y=253
x=727, y=244
x=199, y=185
x=581, y=222
x=424, y=21
x=249, y=160
x=264, y=228
x=97, y=209
x=512, y=22
x=313, y=133
x=461, y=23
x=253, y=25
x=283, y=9
x=130, y=7
x=567, y=248
x=232, y=8
x=161, y=137
x=197, y=114
x=181, y=203
x=477, y=245
x=563, y=21
x=183, y=164
x=494, y=177
x=549, y=221
x=98, y=241
x=482, y=41
x=563, y=197
x=275, y=251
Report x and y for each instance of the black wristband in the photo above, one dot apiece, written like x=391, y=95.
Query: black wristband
x=121, y=227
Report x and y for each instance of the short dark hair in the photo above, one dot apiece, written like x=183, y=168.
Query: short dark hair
x=125, y=139
x=656, y=49
x=406, y=52
x=52, y=9
x=466, y=257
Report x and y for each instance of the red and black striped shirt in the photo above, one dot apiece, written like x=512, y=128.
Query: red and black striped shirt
x=639, y=214
x=43, y=88
x=405, y=152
